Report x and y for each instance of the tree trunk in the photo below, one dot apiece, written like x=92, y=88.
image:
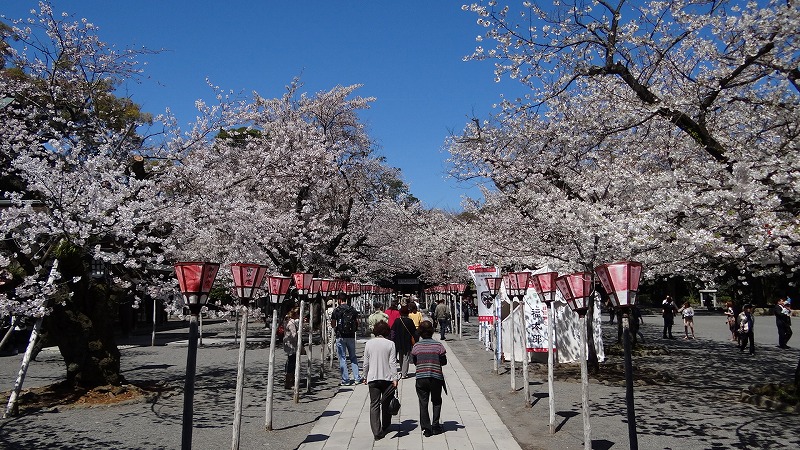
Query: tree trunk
x=82, y=325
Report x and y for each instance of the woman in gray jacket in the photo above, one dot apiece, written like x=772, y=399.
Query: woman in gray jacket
x=380, y=369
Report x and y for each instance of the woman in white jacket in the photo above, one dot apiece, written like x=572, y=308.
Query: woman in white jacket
x=380, y=369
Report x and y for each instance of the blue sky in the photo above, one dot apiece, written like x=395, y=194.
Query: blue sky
x=406, y=54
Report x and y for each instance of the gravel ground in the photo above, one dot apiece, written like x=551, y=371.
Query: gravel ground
x=697, y=408
x=694, y=406
x=157, y=425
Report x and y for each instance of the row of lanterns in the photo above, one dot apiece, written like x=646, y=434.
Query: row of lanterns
x=196, y=280
x=448, y=291
x=620, y=280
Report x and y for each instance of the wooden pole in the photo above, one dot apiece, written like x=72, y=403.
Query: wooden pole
x=324, y=339
x=237, y=411
x=11, y=407
x=7, y=336
x=200, y=329
x=460, y=318
x=526, y=388
x=632, y=437
x=513, y=347
x=551, y=318
x=153, y=336
x=310, y=356
x=297, y=354
x=236, y=326
x=498, y=354
x=587, y=427
x=188, y=389
x=271, y=368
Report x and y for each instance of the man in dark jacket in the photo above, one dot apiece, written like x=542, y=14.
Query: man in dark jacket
x=784, y=322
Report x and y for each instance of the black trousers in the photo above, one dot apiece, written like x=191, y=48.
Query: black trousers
x=379, y=397
x=668, y=323
x=784, y=333
x=429, y=388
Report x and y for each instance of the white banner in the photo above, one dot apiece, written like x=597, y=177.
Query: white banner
x=567, y=331
x=485, y=300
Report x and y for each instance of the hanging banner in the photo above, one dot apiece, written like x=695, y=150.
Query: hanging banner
x=480, y=273
x=536, y=320
x=486, y=307
x=567, y=329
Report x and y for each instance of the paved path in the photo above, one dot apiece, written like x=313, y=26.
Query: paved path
x=468, y=419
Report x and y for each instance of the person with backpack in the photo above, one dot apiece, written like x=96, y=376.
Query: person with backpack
x=344, y=321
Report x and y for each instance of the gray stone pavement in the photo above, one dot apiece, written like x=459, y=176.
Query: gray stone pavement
x=468, y=420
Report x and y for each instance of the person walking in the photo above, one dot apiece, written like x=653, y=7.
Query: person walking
x=291, y=326
x=611, y=311
x=377, y=316
x=380, y=374
x=783, y=320
x=442, y=315
x=687, y=312
x=746, y=323
x=415, y=315
x=393, y=312
x=331, y=336
x=730, y=319
x=404, y=335
x=344, y=321
x=429, y=356
x=668, y=311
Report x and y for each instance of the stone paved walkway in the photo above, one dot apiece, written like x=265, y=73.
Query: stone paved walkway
x=468, y=419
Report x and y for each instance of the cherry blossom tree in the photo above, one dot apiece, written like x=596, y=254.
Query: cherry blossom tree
x=293, y=182
x=661, y=131
x=658, y=131
x=68, y=187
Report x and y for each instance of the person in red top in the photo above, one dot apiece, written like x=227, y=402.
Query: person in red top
x=393, y=312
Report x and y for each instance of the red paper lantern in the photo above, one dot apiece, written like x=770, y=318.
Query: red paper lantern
x=545, y=285
x=195, y=280
x=302, y=282
x=325, y=287
x=336, y=287
x=316, y=286
x=246, y=279
x=517, y=283
x=621, y=281
x=576, y=288
x=278, y=287
x=493, y=285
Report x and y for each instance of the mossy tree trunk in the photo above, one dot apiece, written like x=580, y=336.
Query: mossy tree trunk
x=82, y=325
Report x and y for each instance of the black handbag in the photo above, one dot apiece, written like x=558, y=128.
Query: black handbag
x=394, y=405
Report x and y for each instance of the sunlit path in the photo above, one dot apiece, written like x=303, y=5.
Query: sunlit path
x=468, y=419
